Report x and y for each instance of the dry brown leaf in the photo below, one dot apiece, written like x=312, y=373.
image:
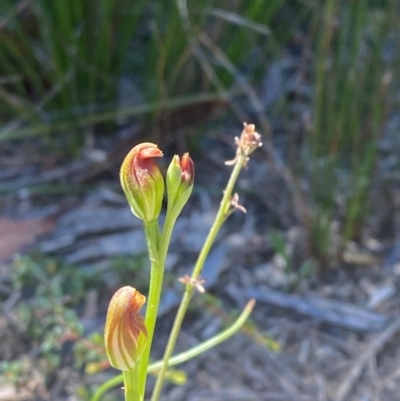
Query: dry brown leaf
x=16, y=235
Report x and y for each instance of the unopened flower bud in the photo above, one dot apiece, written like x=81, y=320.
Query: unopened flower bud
x=180, y=178
x=125, y=331
x=142, y=181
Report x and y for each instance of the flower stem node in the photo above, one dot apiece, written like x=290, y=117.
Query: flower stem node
x=194, y=282
x=235, y=205
x=180, y=178
x=142, y=181
x=125, y=331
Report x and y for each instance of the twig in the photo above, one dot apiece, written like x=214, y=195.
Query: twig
x=372, y=349
x=327, y=310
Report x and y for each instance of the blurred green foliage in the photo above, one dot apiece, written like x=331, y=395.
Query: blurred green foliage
x=69, y=67
x=63, y=61
x=356, y=58
x=44, y=316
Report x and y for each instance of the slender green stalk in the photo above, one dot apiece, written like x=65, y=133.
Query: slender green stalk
x=206, y=345
x=156, y=280
x=166, y=235
x=107, y=386
x=131, y=387
x=158, y=254
x=162, y=254
x=184, y=356
x=223, y=213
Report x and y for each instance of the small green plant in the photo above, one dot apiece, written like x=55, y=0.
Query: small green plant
x=294, y=274
x=128, y=336
x=46, y=316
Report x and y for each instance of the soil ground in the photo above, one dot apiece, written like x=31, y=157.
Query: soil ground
x=337, y=330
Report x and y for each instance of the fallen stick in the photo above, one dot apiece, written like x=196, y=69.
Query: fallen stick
x=326, y=310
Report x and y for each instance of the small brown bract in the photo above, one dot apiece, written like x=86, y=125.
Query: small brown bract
x=194, y=282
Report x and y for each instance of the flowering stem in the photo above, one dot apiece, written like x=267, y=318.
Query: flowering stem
x=157, y=252
x=184, y=356
x=223, y=213
x=156, y=280
x=131, y=385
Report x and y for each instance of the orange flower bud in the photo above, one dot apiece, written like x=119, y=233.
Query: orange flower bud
x=180, y=178
x=123, y=329
x=142, y=181
x=187, y=167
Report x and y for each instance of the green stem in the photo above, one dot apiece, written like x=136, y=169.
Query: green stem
x=223, y=213
x=156, y=280
x=184, y=356
x=131, y=385
x=210, y=343
x=107, y=386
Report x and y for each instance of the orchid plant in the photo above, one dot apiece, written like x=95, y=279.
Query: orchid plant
x=128, y=336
